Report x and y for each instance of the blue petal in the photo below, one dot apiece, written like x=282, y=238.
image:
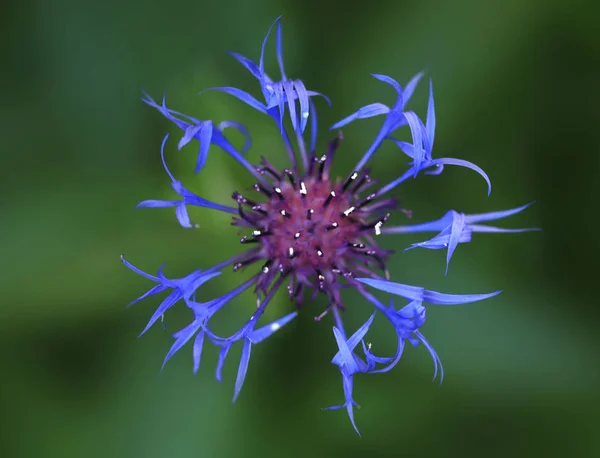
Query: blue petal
x=313, y=126
x=249, y=64
x=242, y=369
x=241, y=95
x=288, y=89
x=467, y=164
x=431, y=226
x=205, y=139
x=304, y=105
x=391, y=362
x=189, y=133
x=405, y=147
x=192, y=199
x=430, y=123
x=482, y=228
x=260, y=334
x=151, y=292
x=314, y=93
x=392, y=82
x=165, y=305
x=183, y=217
x=221, y=362
x=368, y=111
x=410, y=87
x=182, y=337
x=157, y=203
x=242, y=129
x=434, y=297
x=197, y=352
x=262, y=50
x=280, y=51
x=347, y=384
x=138, y=271
x=346, y=358
x=165, y=111
x=458, y=225
x=436, y=359
x=415, y=125
x=353, y=341
x=479, y=218
x=441, y=241
x=421, y=294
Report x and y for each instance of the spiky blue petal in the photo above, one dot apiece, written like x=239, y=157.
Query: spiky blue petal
x=349, y=364
x=456, y=228
x=421, y=149
x=188, y=198
x=277, y=94
x=249, y=335
x=416, y=293
x=183, y=288
x=395, y=116
x=216, y=138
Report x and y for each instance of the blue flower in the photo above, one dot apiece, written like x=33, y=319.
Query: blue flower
x=304, y=227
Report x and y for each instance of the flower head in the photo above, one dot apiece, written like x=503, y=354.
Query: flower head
x=310, y=232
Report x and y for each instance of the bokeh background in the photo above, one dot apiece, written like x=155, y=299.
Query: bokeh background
x=517, y=92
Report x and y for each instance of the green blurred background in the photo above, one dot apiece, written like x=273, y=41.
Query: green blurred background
x=517, y=92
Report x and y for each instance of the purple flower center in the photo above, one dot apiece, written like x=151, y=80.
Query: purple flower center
x=315, y=230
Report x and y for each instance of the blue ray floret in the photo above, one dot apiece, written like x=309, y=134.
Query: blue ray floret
x=187, y=198
x=182, y=288
x=310, y=230
x=457, y=228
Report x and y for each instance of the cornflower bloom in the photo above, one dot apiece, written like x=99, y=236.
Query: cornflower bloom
x=309, y=232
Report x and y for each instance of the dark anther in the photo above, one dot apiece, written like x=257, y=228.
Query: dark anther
x=266, y=267
x=319, y=252
x=376, y=225
x=285, y=214
x=238, y=197
x=237, y=266
x=346, y=212
x=349, y=180
x=292, y=253
x=364, y=179
x=245, y=240
x=296, y=235
x=277, y=191
x=259, y=233
x=244, y=216
x=309, y=213
x=258, y=209
x=290, y=176
x=268, y=168
x=332, y=226
x=359, y=246
x=260, y=188
x=329, y=198
x=322, y=165
x=270, y=171
x=303, y=191
x=366, y=200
